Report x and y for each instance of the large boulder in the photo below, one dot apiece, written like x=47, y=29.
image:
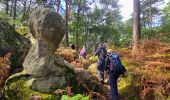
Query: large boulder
x=11, y=41
x=48, y=70
x=48, y=28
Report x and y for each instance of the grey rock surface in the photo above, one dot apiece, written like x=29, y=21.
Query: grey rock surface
x=47, y=70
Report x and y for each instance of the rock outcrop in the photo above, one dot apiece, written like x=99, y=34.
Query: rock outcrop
x=11, y=41
x=48, y=70
x=44, y=71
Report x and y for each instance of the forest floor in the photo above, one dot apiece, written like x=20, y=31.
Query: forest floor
x=148, y=73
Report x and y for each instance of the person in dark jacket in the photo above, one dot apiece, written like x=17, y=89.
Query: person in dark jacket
x=101, y=53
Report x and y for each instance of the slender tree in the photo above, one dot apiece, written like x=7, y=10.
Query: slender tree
x=136, y=25
x=24, y=10
x=58, y=5
x=7, y=6
x=77, y=29
x=67, y=16
x=15, y=9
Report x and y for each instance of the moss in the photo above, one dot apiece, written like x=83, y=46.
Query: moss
x=129, y=86
x=168, y=98
x=93, y=59
x=65, y=97
x=17, y=89
x=23, y=30
x=76, y=97
x=92, y=69
x=123, y=83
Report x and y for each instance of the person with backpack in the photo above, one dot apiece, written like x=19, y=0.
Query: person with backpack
x=115, y=67
x=101, y=53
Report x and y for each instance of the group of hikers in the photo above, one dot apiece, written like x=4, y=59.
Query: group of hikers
x=107, y=61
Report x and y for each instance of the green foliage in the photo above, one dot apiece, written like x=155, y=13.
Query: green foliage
x=166, y=22
x=99, y=24
x=76, y=97
x=4, y=17
x=65, y=97
x=149, y=8
x=93, y=59
x=126, y=30
x=23, y=30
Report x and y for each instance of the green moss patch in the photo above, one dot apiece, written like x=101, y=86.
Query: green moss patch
x=76, y=97
x=18, y=89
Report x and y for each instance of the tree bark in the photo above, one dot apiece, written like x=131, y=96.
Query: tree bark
x=77, y=31
x=12, y=6
x=67, y=16
x=7, y=7
x=24, y=10
x=150, y=17
x=15, y=7
x=136, y=25
x=58, y=5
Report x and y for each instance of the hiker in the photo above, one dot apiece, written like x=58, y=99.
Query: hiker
x=101, y=53
x=83, y=53
x=115, y=67
x=72, y=46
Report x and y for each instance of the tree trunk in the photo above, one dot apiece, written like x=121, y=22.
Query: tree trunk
x=15, y=12
x=58, y=5
x=7, y=7
x=24, y=10
x=12, y=6
x=77, y=31
x=136, y=26
x=67, y=16
x=150, y=17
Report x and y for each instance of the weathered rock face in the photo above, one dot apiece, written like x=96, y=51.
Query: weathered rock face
x=47, y=69
x=47, y=28
x=11, y=41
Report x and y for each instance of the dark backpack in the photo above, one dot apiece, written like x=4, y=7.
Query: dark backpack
x=102, y=53
x=116, y=64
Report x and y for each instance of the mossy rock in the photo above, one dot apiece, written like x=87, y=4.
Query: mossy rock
x=16, y=88
x=12, y=41
x=92, y=69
